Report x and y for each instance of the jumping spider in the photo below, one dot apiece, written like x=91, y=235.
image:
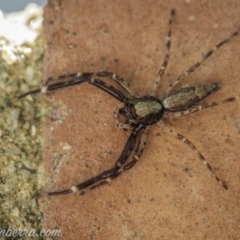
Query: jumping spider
x=143, y=111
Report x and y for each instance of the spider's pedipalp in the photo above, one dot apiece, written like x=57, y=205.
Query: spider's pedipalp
x=117, y=109
x=125, y=126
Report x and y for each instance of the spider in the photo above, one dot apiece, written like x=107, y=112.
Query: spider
x=141, y=112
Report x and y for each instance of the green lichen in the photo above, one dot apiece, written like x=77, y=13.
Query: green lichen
x=21, y=174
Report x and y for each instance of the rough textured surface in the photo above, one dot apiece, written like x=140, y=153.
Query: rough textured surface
x=20, y=126
x=169, y=194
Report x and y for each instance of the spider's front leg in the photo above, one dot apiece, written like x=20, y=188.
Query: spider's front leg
x=118, y=80
x=78, y=79
x=109, y=174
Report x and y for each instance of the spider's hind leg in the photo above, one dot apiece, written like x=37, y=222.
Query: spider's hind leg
x=166, y=57
x=193, y=147
x=205, y=105
x=198, y=64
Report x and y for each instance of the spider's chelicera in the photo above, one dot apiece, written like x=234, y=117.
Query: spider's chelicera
x=141, y=112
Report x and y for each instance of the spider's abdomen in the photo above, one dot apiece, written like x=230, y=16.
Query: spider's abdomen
x=145, y=110
x=185, y=98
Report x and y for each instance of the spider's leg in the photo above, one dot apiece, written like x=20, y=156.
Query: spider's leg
x=134, y=160
x=118, y=80
x=113, y=76
x=78, y=78
x=166, y=57
x=136, y=156
x=83, y=77
x=109, y=89
x=63, y=76
x=204, y=105
x=193, y=147
x=107, y=175
x=138, y=153
x=198, y=64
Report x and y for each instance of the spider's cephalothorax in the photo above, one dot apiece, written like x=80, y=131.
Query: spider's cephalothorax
x=145, y=110
x=142, y=111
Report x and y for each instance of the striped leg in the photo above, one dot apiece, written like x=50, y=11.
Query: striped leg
x=113, y=76
x=55, y=86
x=118, y=80
x=63, y=76
x=193, y=147
x=198, y=64
x=89, y=77
x=105, y=176
x=166, y=57
x=204, y=105
x=137, y=155
x=78, y=79
x=129, y=165
x=139, y=152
